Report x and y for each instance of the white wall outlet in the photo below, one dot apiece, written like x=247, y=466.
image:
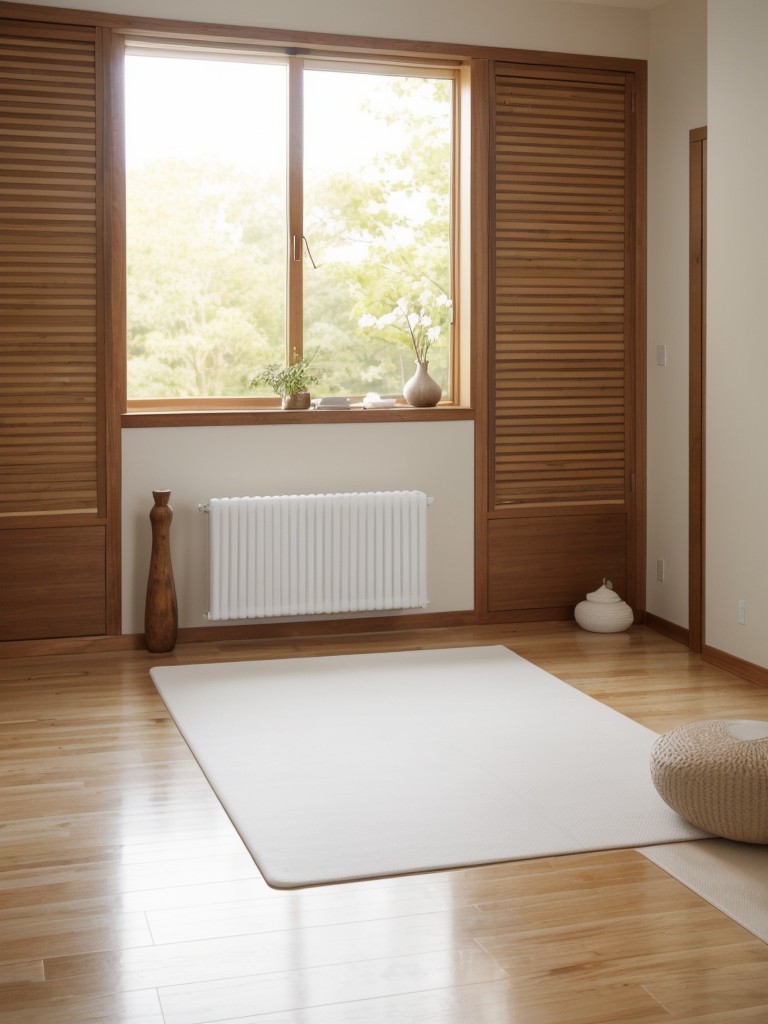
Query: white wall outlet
x=659, y=570
x=661, y=355
x=742, y=613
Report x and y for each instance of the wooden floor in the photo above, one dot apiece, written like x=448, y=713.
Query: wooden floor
x=126, y=896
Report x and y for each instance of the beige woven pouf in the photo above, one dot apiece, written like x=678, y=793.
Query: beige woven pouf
x=715, y=774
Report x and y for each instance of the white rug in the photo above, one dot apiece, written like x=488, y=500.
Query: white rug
x=731, y=876
x=358, y=766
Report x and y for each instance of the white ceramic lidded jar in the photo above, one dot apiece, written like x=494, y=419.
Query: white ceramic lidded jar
x=604, y=611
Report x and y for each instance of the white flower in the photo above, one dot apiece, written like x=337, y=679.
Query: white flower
x=422, y=328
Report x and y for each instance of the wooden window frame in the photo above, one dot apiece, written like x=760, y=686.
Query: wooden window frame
x=158, y=410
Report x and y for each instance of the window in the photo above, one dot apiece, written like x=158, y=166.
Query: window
x=206, y=212
x=280, y=206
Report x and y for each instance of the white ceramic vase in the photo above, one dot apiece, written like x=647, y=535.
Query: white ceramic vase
x=604, y=611
x=421, y=391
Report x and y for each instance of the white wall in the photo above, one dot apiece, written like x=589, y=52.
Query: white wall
x=737, y=330
x=737, y=411
x=196, y=464
x=677, y=102
x=527, y=24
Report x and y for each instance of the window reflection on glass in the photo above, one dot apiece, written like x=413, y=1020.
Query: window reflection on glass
x=207, y=161
x=377, y=179
x=206, y=214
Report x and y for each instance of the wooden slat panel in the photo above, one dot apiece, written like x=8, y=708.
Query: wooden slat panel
x=52, y=582
x=537, y=563
x=559, y=369
x=48, y=278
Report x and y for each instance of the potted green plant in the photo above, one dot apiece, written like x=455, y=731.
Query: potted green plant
x=291, y=383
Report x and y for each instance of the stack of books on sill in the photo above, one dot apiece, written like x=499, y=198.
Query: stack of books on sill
x=371, y=401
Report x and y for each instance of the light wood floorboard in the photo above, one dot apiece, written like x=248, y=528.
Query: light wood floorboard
x=126, y=896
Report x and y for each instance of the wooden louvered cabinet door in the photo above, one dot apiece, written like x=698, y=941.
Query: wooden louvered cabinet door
x=562, y=379
x=52, y=474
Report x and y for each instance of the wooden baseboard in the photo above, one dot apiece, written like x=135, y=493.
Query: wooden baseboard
x=668, y=629
x=737, y=666
x=326, y=627
x=265, y=631
x=70, y=645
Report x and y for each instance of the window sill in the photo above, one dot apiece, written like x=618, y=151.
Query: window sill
x=274, y=417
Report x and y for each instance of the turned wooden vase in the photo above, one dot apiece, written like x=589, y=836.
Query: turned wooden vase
x=161, y=618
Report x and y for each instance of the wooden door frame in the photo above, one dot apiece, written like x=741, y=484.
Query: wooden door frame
x=697, y=149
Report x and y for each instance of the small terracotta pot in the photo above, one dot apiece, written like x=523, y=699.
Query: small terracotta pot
x=301, y=400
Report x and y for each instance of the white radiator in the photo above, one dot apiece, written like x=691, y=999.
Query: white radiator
x=302, y=554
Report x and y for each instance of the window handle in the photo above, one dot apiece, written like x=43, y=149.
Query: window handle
x=297, y=244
